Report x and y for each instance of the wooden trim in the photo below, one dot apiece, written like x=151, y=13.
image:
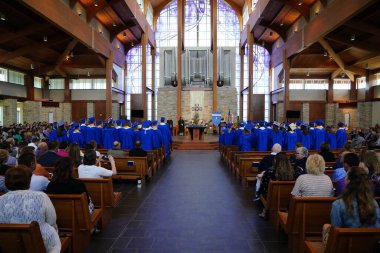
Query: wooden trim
x=144, y=45
x=250, y=40
x=286, y=67
x=181, y=13
x=109, y=67
x=214, y=37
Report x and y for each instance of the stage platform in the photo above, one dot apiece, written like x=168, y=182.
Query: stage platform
x=209, y=142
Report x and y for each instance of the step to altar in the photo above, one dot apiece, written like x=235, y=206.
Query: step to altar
x=195, y=145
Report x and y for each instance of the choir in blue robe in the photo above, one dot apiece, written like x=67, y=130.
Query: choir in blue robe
x=312, y=137
x=341, y=137
x=109, y=137
x=290, y=140
x=83, y=130
x=320, y=136
x=261, y=139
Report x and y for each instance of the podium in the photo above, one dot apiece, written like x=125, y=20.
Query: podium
x=196, y=132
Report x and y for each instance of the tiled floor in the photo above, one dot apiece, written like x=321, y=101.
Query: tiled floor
x=193, y=205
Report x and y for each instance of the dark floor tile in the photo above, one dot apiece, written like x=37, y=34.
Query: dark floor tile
x=277, y=247
x=140, y=243
x=99, y=245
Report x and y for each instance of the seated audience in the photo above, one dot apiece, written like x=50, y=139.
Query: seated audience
x=138, y=151
x=89, y=169
x=327, y=155
x=38, y=182
x=62, y=149
x=315, y=183
x=75, y=154
x=94, y=145
x=42, y=149
x=267, y=161
x=356, y=207
x=39, y=207
x=3, y=158
x=370, y=162
x=357, y=141
x=300, y=162
x=50, y=157
x=282, y=171
x=349, y=160
x=293, y=157
x=63, y=181
x=116, y=150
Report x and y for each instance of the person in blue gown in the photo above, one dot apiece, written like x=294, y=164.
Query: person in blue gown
x=166, y=135
x=331, y=137
x=246, y=139
x=53, y=133
x=229, y=135
x=70, y=133
x=341, y=135
x=221, y=135
x=145, y=136
x=91, y=130
x=305, y=136
x=320, y=134
x=298, y=130
x=291, y=138
x=157, y=135
x=118, y=128
x=312, y=135
x=261, y=137
x=83, y=128
x=109, y=133
x=99, y=133
x=238, y=132
x=77, y=136
x=61, y=132
x=127, y=136
x=276, y=135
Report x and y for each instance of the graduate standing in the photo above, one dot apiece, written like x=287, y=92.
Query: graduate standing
x=341, y=135
x=127, y=136
x=261, y=135
x=157, y=135
x=276, y=135
x=320, y=134
x=145, y=136
x=166, y=135
x=91, y=130
x=291, y=138
x=77, y=136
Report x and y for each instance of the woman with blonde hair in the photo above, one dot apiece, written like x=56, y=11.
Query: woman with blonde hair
x=315, y=183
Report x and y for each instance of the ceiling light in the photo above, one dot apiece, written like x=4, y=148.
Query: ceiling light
x=88, y=73
x=282, y=23
x=79, y=13
x=300, y=2
x=325, y=54
x=2, y=16
x=316, y=13
x=45, y=38
x=343, y=74
x=366, y=66
x=72, y=53
x=96, y=3
x=270, y=33
x=353, y=37
x=307, y=74
x=114, y=25
x=124, y=34
x=263, y=43
x=67, y=57
x=31, y=66
x=132, y=44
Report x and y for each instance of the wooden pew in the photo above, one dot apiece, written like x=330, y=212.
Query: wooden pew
x=248, y=169
x=26, y=238
x=329, y=172
x=347, y=240
x=278, y=199
x=330, y=165
x=103, y=196
x=74, y=216
x=305, y=218
x=129, y=167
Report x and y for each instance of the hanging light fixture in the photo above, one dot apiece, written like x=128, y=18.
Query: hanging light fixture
x=88, y=73
x=300, y=2
x=353, y=37
x=96, y=3
x=307, y=74
x=132, y=44
x=2, y=17
x=124, y=34
x=31, y=66
x=325, y=54
x=45, y=38
x=72, y=54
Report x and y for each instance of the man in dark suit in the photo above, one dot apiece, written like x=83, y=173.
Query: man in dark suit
x=49, y=158
x=267, y=161
x=138, y=151
x=181, y=125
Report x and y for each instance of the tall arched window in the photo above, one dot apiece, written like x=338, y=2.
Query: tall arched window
x=197, y=23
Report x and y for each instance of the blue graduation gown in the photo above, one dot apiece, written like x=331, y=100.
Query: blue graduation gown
x=146, y=138
x=127, y=138
x=53, y=135
x=157, y=139
x=299, y=133
x=166, y=137
x=245, y=142
x=290, y=140
x=99, y=136
x=341, y=137
x=63, y=137
x=262, y=139
x=221, y=139
x=276, y=138
x=306, y=140
x=236, y=140
x=77, y=137
x=83, y=130
x=91, y=134
x=108, y=137
x=229, y=135
x=320, y=136
x=331, y=139
x=312, y=137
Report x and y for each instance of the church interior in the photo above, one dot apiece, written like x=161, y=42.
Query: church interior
x=145, y=60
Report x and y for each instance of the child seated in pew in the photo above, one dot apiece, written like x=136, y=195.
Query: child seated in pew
x=356, y=207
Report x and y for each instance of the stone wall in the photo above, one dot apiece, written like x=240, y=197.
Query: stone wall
x=115, y=110
x=365, y=114
x=32, y=111
x=227, y=100
x=280, y=112
x=330, y=114
x=305, y=112
x=167, y=103
x=10, y=111
x=90, y=110
x=61, y=113
x=334, y=114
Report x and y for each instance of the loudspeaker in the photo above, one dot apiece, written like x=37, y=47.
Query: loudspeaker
x=219, y=83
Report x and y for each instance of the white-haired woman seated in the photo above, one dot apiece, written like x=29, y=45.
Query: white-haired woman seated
x=315, y=183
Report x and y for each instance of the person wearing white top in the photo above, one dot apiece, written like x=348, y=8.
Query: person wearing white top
x=89, y=169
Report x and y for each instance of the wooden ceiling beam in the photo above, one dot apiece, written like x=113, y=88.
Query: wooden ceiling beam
x=364, y=45
x=93, y=10
x=333, y=16
x=65, y=53
x=302, y=9
x=115, y=31
x=72, y=3
x=5, y=37
x=363, y=26
x=29, y=49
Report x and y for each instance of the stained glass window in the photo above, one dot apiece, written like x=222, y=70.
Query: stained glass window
x=134, y=70
x=197, y=23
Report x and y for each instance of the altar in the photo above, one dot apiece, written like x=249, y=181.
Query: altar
x=196, y=132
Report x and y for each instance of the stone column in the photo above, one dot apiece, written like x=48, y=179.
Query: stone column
x=305, y=112
x=330, y=114
x=10, y=111
x=90, y=110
